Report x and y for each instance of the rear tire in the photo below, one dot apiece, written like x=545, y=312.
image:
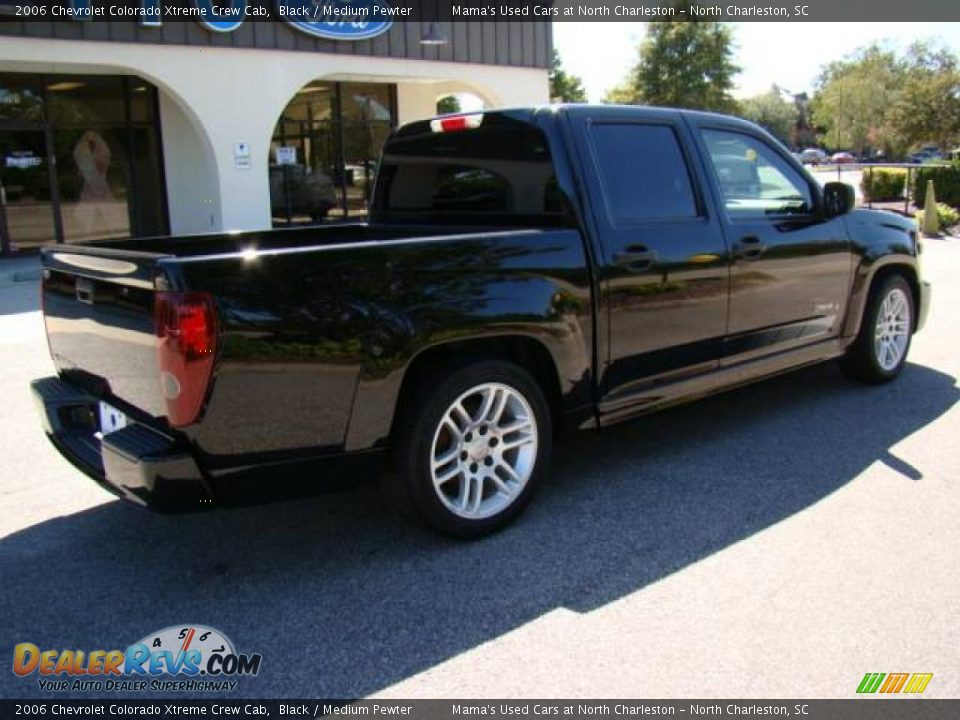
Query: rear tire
x=880, y=350
x=470, y=452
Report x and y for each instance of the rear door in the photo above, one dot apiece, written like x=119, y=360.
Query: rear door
x=791, y=266
x=663, y=270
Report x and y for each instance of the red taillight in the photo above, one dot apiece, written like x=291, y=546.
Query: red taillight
x=452, y=123
x=186, y=346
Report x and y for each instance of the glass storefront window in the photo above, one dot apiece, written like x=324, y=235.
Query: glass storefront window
x=362, y=142
x=142, y=101
x=365, y=102
x=149, y=208
x=21, y=97
x=314, y=102
x=79, y=159
x=93, y=173
x=77, y=100
x=26, y=210
x=324, y=151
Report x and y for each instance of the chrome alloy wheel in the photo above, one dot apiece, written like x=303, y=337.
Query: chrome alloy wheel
x=484, y=451
x=892, y=331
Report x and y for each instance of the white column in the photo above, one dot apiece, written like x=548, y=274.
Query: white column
x=415, y=101
x=193, y=190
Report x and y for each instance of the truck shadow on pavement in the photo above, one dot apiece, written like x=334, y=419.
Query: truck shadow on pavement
x=19, y=298
x=343, y=599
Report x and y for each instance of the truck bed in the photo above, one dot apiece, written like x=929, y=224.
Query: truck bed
x=99, y=297
x=183, y=246
x=312, y=327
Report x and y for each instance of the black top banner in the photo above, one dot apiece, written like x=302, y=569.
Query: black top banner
x=225, y=13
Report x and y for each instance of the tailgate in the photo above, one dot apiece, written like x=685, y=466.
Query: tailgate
x=98, y=309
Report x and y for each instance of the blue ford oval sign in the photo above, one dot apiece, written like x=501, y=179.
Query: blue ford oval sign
x=338, y=19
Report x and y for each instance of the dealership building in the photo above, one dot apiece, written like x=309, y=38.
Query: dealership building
x=146, y=127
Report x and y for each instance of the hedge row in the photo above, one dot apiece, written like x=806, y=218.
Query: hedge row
x=884, y=183
x=946, y=184
x=946, y=216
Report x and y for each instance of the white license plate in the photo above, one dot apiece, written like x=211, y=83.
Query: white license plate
x=111, y=419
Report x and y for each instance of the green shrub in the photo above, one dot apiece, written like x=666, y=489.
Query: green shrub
x=947, y=216
x=946, y=184
x=883, y=183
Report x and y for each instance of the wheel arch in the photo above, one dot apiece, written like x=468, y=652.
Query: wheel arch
x=522, y=350
x=378, y=406
x=866, y=281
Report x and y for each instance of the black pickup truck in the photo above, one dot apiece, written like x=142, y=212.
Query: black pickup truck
x=523, y=271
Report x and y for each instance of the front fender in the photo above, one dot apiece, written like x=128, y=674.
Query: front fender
x=880, y=240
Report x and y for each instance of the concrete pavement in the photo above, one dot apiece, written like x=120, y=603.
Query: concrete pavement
x=19, y=268
x=776, y=541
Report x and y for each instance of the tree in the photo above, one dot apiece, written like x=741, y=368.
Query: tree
x=772, y=112
x=853, y=97
x=683, y=63
x=565, y=87
x=622, y=94
x=448, y=104
x=927, y=108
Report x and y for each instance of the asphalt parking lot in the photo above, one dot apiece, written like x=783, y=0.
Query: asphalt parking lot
x=776, y=541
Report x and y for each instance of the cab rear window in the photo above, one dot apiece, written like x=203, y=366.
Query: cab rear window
x=499, y=172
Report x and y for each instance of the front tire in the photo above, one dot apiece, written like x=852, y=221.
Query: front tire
x=880, y=350
x=471, y=451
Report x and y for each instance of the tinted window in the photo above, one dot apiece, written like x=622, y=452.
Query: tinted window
x=643, y=172
x=500, y=173
x=755, y=180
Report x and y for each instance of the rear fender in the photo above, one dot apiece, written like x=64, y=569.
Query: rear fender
x=378, y=395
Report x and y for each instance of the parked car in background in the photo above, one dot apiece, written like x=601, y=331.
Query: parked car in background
x=928, y=153
x=522, y=272
x=842, y=158
x=813, y=156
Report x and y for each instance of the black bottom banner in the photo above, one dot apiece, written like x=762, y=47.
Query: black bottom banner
x=866, y=708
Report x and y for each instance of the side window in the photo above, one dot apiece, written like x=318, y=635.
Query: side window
x=643, y=173
x=754, y=179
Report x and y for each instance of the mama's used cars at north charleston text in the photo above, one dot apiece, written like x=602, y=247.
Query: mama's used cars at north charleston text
x=522, y=271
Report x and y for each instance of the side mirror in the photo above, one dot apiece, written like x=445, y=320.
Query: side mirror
x=838, y=199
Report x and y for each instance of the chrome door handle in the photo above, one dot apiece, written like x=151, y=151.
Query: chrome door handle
x=635, y=258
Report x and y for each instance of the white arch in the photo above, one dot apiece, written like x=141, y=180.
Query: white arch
x=194, y=193
x=226, y=96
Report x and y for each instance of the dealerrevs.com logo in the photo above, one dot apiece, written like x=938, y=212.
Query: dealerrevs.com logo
x=186, y=658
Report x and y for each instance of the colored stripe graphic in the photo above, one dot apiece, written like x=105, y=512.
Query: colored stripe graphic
x=870, y=682
x=918, y=683
x=894, y=682
x=914, y=683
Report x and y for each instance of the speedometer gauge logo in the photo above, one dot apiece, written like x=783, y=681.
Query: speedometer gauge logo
x=180, y=649
x=188, y=650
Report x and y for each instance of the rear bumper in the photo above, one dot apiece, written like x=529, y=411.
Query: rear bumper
x=924, y=304
x=137, y=463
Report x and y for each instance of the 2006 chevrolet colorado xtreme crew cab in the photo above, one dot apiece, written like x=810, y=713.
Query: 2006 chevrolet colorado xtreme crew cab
x=521, y=271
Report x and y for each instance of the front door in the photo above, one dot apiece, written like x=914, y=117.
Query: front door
x=26, y=206
x=664, y=273
x=791, y=265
